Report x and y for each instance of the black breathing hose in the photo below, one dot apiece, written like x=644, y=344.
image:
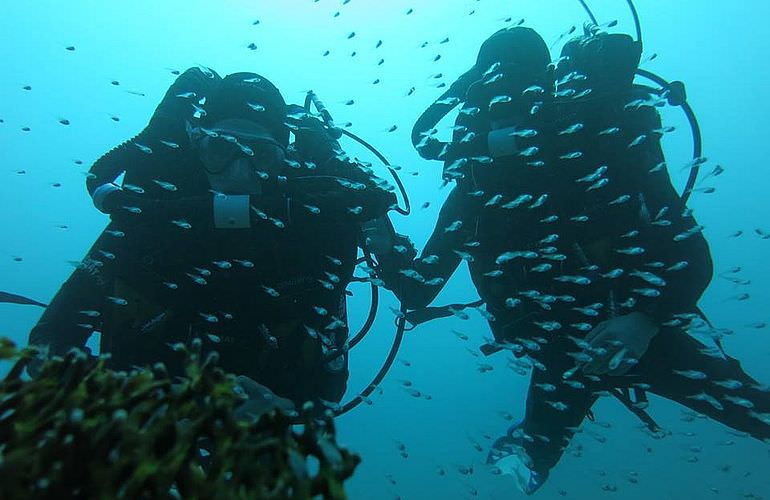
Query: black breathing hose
x=697, y=140
x=363, y=395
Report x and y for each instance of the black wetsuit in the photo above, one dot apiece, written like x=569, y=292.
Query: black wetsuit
x=266, y=298
x=536, y=261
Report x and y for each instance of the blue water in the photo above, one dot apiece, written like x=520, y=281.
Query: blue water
x=718, y=48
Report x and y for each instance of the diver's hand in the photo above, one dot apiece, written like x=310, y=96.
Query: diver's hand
x=312, y=139
x=381, y=239
x=618, y=344
x=260, y=400
x=378, y=235
x=117, y=202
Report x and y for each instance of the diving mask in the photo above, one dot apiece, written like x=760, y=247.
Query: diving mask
x=237, y=155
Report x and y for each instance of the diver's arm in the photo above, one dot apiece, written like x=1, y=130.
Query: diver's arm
x=423, y=131
x=77, y=308
x=416, y=282
x=168, y=124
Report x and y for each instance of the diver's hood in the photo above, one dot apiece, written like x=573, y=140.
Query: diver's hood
x=521, y=46
x=518, y=50
x=252, y=97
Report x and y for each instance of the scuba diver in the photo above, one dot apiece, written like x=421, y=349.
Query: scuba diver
x=587, y=260
x=223, y=230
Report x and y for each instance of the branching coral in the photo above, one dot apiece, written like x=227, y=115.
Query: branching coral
x=80, y=430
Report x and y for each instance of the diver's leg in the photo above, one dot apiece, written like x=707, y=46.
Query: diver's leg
x=554, y=410
x=73, y=314
x=76, y=309
x=726, y=394
x=552, y=416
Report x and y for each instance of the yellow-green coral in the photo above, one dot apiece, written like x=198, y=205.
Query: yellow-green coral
x=80, y=430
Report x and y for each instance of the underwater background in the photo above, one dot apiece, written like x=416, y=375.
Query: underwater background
x=103, y=66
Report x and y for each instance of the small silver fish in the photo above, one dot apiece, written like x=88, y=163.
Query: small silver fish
x=631, y=251
x=534, y=89
x=598, y=184
x=649, y=277
x=572, y=129
x=454, y=226
x=143, y=148
x=620, y=199
x=209, y=317
x=198, y=280
x=525, y=132
x=587, y=311
x=689, y=233
x=270, y=291
x=500, y=99
x=518, y=201
x=595, y=175
x=558, y=405
x=578, y=280
x=615, y=273
x=728, y=384
x=691, y=374
x=548, y=326
x=637, y=141
x=540, y=201
x=708, y=399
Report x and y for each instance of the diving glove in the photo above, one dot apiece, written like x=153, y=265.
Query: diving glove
x=510, y=458
x=527, y=480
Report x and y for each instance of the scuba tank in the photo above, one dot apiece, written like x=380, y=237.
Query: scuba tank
x=597, y=63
